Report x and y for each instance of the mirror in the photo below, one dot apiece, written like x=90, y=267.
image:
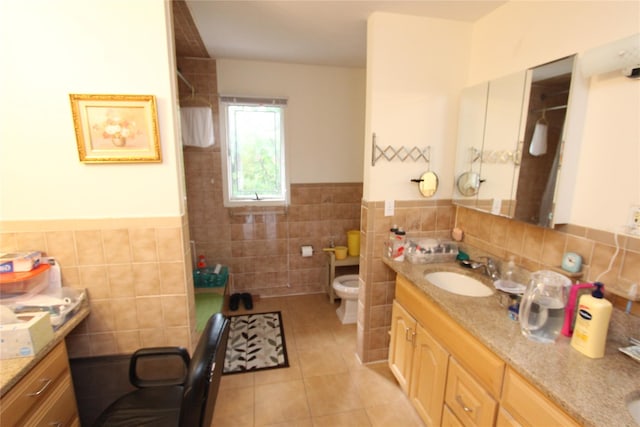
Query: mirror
x=499, y=120
x=468, y=183
x=428, y=184
x=473, y=107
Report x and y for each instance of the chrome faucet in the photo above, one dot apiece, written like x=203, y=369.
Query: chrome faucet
x=489, y=266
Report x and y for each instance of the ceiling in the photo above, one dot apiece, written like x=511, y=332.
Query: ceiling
x=306, y=31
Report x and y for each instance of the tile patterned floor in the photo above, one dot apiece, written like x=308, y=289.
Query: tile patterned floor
x=325, y=384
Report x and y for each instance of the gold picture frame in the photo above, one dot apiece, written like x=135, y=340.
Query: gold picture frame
x=116, y=128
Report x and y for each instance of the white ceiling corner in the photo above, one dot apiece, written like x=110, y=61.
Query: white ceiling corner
x=319, y=32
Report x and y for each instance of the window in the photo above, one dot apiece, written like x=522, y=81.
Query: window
x=253, y=140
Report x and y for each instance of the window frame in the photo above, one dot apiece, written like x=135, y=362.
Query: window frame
x=227, y=180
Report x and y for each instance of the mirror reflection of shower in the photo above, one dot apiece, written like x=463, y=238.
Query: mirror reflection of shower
x=543, y=142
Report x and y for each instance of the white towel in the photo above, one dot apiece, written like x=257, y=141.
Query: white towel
x=197, y=126
x=538, y=145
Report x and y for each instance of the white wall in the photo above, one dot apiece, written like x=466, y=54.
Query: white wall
x=416, y=69
x=324, y=116
x=54, y=48
x=520, y=35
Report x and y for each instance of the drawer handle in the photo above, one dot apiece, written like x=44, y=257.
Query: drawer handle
x=56, y=423
x=46, y=384
x=461, y=402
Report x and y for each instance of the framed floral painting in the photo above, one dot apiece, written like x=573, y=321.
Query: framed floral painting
x=116, y=128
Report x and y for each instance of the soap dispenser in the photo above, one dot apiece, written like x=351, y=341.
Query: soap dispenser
x=592, y=323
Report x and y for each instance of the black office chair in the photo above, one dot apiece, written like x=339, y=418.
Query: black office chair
x=187, y=401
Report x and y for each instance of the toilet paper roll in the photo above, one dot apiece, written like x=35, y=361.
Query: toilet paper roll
x=306, y=251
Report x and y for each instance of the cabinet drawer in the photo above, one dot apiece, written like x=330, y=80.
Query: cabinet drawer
x=35, y=388
x=471, y=404
x=471, y=353
x=530, y=407
x=59, y=410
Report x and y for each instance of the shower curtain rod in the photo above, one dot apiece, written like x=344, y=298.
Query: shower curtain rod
x=559, y=107
x=184, y=79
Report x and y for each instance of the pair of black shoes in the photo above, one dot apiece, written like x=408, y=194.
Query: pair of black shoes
x=234, y=301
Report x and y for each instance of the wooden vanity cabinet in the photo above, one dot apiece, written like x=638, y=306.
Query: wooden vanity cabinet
x=451, y=378
x=44, y=397
x=419, y=363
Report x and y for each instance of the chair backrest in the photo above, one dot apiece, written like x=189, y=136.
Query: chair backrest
x=205, y=370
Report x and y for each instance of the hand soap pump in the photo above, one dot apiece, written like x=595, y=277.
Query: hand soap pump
x=592, y=323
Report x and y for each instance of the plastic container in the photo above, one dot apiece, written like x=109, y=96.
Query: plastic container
x=61, y=304
x=341, y=252
x=429, y=251
x=208, y=278
x=202, y=262
x=353, y=242
x=397, y=251
x=541, y=312
x=577, y=290
x=592, y=324
x=19, y=285
x=388, y=246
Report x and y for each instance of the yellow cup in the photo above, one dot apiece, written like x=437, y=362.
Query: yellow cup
x=353, y=242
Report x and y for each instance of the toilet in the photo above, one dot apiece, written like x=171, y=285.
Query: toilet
x=346, y=287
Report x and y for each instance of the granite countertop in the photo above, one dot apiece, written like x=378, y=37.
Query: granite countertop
x=13, y=370
x=593, y=391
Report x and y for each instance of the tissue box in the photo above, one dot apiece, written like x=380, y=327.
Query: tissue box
x=26, y=338
x=19, y=262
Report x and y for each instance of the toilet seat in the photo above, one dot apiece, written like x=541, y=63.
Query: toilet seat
x=349, y=284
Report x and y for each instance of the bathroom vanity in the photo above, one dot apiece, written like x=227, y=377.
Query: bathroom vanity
x=38, y=390
x=463, y=362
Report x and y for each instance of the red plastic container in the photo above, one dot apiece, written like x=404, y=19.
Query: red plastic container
x=29, y=282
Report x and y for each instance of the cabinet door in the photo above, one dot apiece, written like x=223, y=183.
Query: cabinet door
x=428, y=377
x=471, y=403
x=502, y=130
x=505, y=419
x=403, y=330
x=448, y=419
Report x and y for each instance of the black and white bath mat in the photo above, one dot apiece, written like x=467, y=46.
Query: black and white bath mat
x=256, y=342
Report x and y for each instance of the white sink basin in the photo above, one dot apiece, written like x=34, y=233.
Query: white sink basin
x=459, y=284
x=633, y=405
